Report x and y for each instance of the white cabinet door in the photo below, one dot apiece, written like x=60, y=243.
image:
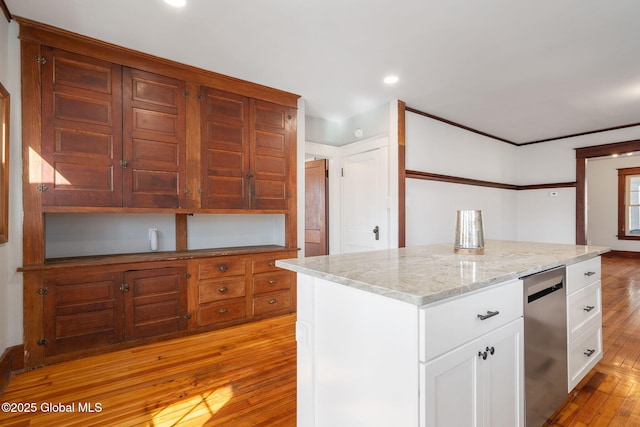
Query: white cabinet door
x=463, y=388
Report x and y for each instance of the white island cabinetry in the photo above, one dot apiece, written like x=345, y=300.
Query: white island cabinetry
x=425, y=337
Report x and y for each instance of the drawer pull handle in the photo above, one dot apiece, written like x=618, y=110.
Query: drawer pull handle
x=272, y=281
x=223, y=289
x=272, y=263
x=589, y=308
x=273, y=301
x=222, y=311
x=589, y=352
x=488, y=315
x=589, y=273
x=223, y=267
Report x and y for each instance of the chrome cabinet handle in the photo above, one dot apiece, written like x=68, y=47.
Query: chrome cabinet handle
x=589, y=308
x=488, y=315
x=589, y=273
x=589, y=352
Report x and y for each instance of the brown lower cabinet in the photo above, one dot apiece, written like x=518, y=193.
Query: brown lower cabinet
x=92, y=307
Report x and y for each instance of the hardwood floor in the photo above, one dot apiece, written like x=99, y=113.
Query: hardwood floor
x=610, y=393
x=241, y=376
x=245, y=376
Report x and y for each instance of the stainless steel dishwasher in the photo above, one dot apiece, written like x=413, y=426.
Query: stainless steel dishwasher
x=545, y=344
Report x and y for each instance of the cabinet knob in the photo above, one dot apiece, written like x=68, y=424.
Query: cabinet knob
x=589, y=308
x=273, y=301
x=187, y=316
x=271, y=263
x=272, y=281
x=589, y=352
x=223, y=267
x=223, y=289
x=222, y=311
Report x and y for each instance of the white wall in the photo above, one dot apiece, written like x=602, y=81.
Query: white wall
x=436, y=147
x=11, y=252
x=526, y=215
x=602, y=202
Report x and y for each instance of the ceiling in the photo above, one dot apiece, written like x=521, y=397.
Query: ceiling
x=524, y=70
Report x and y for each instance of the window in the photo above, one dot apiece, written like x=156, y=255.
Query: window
x=629, y=204
x=4, y=165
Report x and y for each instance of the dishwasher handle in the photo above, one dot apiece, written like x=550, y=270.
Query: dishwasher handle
x=544, y=292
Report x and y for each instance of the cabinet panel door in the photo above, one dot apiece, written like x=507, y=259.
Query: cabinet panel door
x=154, y=143
x=82, y=311
x=81, y=130
x=225, y=150
x=156, y=302
x=271, y=155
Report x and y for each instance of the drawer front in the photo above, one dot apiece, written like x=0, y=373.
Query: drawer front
x=222, y=312
x=272, y=303
x=583, y=274
x=270, y=282
x=584, y=308
x=221, y=267
x=446, y=325
x=584, y=353
x=262, y=265
x=219, y=290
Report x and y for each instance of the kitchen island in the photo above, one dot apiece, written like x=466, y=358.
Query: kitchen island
x=420, y=336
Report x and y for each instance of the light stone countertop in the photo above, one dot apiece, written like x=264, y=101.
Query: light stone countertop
x=424, y=274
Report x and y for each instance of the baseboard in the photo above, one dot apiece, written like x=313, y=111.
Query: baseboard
x=625, y=254
x=11, y=360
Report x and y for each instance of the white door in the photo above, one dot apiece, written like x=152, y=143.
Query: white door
x=364, y=196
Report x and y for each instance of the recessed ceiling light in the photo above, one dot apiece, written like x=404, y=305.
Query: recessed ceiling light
x=176, y=3
x=391, y=80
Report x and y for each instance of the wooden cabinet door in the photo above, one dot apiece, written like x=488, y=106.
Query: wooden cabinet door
x=225, y=150
x=154, y=147
x=272, y=155
x=155, y=302
x=81, y=130
x=82, y=310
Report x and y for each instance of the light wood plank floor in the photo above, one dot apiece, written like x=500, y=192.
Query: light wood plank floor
x=241, y=376
x=245, y=376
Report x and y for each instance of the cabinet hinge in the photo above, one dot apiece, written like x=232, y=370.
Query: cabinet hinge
x=43, y=291
x=41, y=60
x=124, y=163
x=42, y=188
x=187, y=276
x=43, y=341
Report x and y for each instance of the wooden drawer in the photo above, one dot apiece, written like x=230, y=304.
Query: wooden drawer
x=583, y=355
x=583, y=274
x=274, y=281
x=222, y=312
x=219, y=290
x=221, y=267
x=271, y=303
x=262, y=265
x=584, y=308
x=450, y=323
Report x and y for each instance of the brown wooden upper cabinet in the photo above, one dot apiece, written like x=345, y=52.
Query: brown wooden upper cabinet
x=246, y=152
x=112, y=136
